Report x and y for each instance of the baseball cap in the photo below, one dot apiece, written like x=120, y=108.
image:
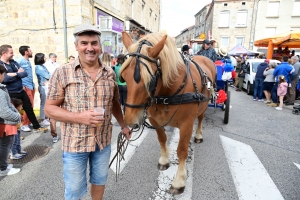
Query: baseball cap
x=82, y=28
x=206, y=41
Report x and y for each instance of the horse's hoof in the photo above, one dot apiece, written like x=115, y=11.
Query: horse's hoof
x=198, y=140
x=163, y=167
x=176, y=190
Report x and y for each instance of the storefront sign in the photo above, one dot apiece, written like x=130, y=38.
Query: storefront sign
x=117, y=25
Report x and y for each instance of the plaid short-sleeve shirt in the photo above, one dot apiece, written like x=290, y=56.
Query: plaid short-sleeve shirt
x=80, y=93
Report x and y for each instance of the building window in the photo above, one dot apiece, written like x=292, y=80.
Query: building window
x=296, y=8
x=239, y=40
x=243, y=3
x=270, y=31
x=273, y=9
x=225, y=4
x=225, y=41
x=241, y=18
x=224, y=19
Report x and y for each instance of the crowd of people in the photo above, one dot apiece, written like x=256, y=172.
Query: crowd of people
x=278, y=83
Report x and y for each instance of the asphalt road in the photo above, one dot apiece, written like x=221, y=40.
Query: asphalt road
x=272, y=138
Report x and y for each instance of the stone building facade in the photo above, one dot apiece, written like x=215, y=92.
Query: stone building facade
x=200, y=21
x=39, y=23
x=185, y=36
x=231, y=22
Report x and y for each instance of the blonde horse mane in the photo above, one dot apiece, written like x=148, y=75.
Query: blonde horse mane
x=170, y=59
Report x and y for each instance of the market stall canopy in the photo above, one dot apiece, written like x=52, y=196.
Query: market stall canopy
x=290, y=39
x=239, y=49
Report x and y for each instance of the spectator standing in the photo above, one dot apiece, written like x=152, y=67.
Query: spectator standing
x=291, y=94
x=241, y=75
x=8, y=115
x=51, y=64
x=27, y=81
x=269, y=81
x=282, y=69
x=83, y=139
x=43, y=76
x=207, y=51
x=185, y=49
x=121, y=85
x=281, y=90
x=259, y=80
x=16, y=148
x=13, y=82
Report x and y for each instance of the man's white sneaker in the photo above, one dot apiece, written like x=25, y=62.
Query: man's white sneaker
x=55, y=139
x=9, y=166
x=25, y=128
x=16, y=156
x=278, y=108
x=45, y=122
x=9, y=171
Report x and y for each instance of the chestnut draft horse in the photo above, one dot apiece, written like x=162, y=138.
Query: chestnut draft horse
x=169, y=90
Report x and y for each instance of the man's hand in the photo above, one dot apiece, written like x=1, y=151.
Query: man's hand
x=11, y=74
x=91, y=118
x=20, y=70
x=126, y=132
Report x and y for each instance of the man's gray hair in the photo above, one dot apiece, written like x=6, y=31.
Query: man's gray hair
x=295, y=58
x=52, y=54
x=76, y=37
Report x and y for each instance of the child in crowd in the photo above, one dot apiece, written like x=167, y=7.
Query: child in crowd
x=281, y=90
x=17, y=152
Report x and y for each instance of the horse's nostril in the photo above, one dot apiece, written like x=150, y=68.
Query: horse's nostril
x=136, y=126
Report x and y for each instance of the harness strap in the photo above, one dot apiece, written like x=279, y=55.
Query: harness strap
x=181, y=99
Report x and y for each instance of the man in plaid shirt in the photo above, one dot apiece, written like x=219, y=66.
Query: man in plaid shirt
x=75, y=90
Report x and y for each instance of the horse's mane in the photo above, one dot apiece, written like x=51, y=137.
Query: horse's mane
x=170, y=59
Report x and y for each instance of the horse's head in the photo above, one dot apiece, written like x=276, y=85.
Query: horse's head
x=141, y=72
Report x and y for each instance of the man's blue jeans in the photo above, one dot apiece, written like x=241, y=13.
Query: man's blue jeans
x=258, y=88
x=274, y=93
x=16, y=147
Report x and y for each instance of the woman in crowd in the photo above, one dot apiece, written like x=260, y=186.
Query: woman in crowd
x=269, y=81
x=121, y=85
x=43, y=76
x=106, y=59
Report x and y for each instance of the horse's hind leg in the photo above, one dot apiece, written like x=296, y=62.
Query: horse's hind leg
x=178, y=184
x=163, y=162
x=198, y=135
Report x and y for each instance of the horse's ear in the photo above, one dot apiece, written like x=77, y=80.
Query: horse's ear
x=127, y=41
x=154, y=51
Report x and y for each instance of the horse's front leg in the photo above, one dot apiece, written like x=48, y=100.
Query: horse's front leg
x=164, y=161
x=179, y=181
x=198, y=136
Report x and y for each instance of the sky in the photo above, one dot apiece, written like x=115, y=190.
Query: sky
x=176, y=15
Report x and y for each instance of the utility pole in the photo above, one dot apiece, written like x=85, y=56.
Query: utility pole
x=65, y=30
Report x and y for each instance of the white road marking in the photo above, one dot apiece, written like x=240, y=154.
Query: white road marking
x=251, y=179
x=166, y=177
x=132, y=146
x=297, y=165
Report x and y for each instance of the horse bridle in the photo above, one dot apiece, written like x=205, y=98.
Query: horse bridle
x=137, y=74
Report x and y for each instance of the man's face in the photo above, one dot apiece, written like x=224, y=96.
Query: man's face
x=1, y=77
x=88, y=47
x=9, y=54
x=293, y=61
x=206, y=46
x=53, y=58
x=29, y=53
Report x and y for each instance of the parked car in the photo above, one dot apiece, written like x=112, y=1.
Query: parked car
x=249, y=80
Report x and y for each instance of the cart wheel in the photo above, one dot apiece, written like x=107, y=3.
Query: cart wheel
x=226, y=86
x=223, y=107
x=227, y=107
x=296, y=111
